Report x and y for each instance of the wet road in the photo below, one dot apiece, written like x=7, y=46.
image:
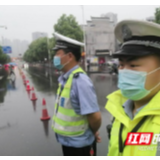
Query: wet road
x=22, y=133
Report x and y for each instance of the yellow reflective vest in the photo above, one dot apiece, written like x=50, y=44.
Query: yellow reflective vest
x=65, y=120
x=151, y=124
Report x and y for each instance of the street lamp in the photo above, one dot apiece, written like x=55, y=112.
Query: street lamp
x=84, y=39
x=3, y=27
x=47, y=48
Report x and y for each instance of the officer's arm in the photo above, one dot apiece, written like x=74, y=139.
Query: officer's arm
x=94, y=121
x=88, y=104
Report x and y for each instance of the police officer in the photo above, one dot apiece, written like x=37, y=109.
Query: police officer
x=136, y=106
x=77, y=117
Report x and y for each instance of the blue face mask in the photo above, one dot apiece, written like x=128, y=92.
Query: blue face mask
x=57, y=62
x=132, y=84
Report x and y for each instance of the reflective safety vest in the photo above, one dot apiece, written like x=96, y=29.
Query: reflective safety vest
x=66, y=121
x=151, y=124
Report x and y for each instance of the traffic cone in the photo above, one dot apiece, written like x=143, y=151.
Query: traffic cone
x=24, y=82
x=34, y=98
x=28, y=87
x=23, y=76
x=45, y=115
x=91, y=152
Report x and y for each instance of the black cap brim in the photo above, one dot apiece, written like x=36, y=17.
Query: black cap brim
x=58, y=47
x=123, y=53
x=136, y=51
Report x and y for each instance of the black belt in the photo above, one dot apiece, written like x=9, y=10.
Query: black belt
x=135, y=129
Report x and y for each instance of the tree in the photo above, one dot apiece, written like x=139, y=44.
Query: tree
x=157, y=15
x=68, y=26
x=38, y=50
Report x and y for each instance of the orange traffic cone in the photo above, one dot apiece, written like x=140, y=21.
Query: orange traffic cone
x=34, y=98
x=28, y=87
x=91, y=152
x=23, y=76
x=25, y=82
x=45, y=115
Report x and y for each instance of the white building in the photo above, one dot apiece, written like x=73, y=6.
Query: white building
x=150, y=19
x=37, y=35
x=19, y=47
x=16, y=47
x=99, y=36
x=24, y=46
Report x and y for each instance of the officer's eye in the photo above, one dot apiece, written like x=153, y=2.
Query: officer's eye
x=133, y=65
x=120, y=65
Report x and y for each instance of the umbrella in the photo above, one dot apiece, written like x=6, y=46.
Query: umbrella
x=12, y=63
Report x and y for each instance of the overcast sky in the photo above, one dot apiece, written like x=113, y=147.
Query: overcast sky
x=23, y=20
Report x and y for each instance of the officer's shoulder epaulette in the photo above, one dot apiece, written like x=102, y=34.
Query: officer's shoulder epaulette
x=76, y=75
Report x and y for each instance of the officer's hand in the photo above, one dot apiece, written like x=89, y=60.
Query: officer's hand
x=98, y=138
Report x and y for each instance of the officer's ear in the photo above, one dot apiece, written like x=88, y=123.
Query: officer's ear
x=71, y=55
x=157, y=57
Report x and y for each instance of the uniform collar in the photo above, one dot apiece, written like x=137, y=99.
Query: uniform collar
x=115, y=107
x=66, y=75
x=128, y=108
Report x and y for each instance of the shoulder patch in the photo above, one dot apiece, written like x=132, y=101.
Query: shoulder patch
x=76, y=75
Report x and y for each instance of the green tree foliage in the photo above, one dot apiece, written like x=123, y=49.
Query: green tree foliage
x=68, y=26
x=38, y=50
x=157, y=15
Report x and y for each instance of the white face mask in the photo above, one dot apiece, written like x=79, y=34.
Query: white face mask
x=132, y=84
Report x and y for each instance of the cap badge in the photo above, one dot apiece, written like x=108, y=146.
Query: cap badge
x=126, y=32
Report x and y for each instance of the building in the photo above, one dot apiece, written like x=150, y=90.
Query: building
x=16, y=47
x=19, y=47
x=37, y=35
x=151, y=19
x=24, y=46
x=6, y=42
x=99, y=37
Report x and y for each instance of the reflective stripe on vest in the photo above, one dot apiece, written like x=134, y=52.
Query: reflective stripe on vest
x=65, y=120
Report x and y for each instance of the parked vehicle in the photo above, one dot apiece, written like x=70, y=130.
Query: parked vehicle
x=113, y=66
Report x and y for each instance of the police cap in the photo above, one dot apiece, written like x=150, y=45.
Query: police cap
x=137, y=38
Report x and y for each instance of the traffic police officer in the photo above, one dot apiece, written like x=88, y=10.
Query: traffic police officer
x=136, y=106
x=77, y=117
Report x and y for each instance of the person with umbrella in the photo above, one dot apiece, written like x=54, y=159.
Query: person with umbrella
x=11, y=72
